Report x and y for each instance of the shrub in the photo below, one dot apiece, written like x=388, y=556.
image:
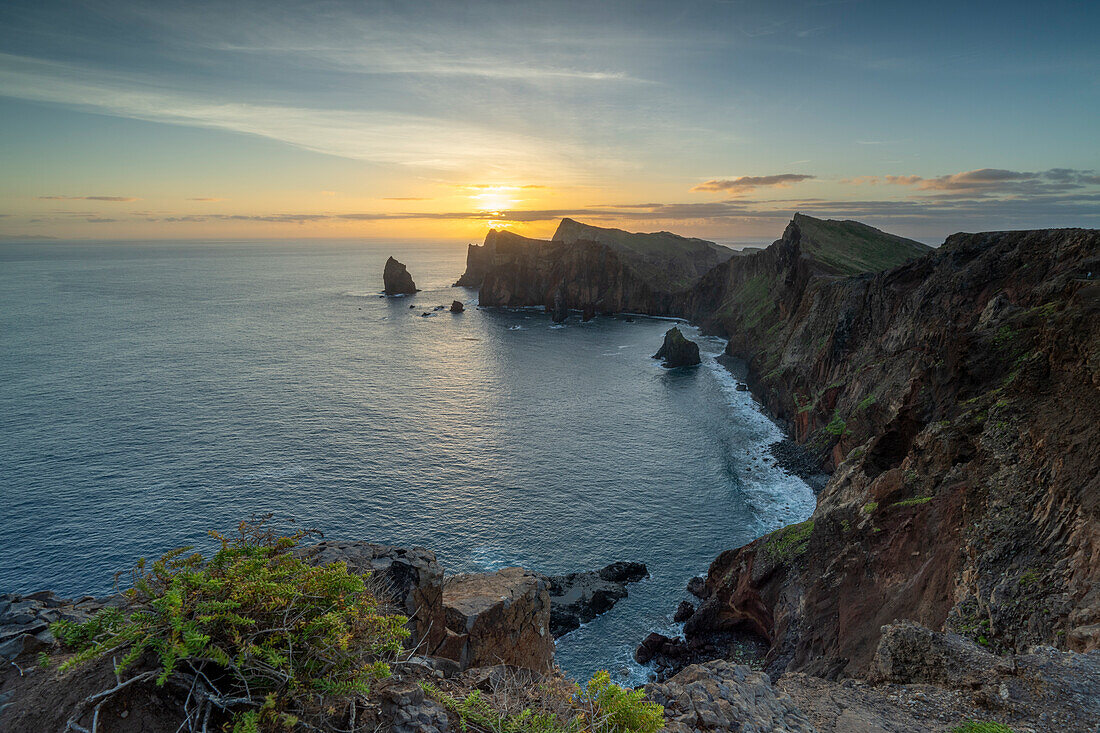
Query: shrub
x=253, y=631
x=509, y=706
x=867, y=402
x=837, y=427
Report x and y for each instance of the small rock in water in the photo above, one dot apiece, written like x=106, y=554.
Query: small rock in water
x=697, y=587
x=457, y=307
x=741, y=387
x=677, y=351
x=683, y=612
x=439, y=308
x=411, y=307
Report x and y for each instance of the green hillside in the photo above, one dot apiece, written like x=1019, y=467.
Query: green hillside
x=849, y=248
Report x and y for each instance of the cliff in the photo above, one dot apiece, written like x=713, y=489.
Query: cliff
x=955, y=396
x=588, y=268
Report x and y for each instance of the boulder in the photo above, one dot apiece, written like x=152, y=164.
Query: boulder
x=397, y=279
x=457, y=307
x=410, y=578
x=720, y=696
x=498, y=618
x=677, y=351
x=697, y=587
x=577, y=598
x=683, y=612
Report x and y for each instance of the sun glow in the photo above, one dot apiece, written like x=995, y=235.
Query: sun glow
x=495, y=198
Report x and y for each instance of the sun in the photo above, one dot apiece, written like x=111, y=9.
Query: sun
x=494, y=198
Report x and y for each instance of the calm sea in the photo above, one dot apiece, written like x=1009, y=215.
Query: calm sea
x=152, y=391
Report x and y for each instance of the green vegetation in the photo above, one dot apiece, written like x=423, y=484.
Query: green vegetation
x=837, y=427
x=1029, y=578
x=1004, y=335
x=869, y=507
x=917, y=501
x=753, y=299
x=789, y=542
x=867, y=402
x=253, y=631
x=973, y=726
x=511, y=707
x=849, y=248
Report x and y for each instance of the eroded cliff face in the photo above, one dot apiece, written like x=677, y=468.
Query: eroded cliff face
x=956, y=396
x=588, y=268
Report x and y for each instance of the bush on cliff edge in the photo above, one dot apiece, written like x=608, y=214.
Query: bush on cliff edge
x=253, y=635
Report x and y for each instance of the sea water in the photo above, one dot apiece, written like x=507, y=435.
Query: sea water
x=152, y=391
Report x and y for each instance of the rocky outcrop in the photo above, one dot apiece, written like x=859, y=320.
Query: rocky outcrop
x=720, y=696
x=410, y=578
x=577, y=598
x=397, y=279
x=457, y=307
x=25, y=619
x=677, y=351
x=955, y=398
x=590, y=269
x=498, y=618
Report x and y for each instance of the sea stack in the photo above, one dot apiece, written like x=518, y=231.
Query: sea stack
x=397, y=279
x=677, y=351
x=457, y=307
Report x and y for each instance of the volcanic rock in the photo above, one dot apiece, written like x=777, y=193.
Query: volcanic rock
x=498, y=618
x=397, y=279
x=577, y=598
x=457, y=307
x=677, y=351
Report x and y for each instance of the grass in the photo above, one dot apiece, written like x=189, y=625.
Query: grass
x=866, y=402
x=917, y=501
x=974, y=726
x=849, y=248
x=869, y=507
x=789, y=542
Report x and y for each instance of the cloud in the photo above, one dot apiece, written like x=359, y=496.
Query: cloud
x=405, y=198
x=986, y=182
x=388, y=137
x=746, y=184
x=90, y=198
x=205, y=198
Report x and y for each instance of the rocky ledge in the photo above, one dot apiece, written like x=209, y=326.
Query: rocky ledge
x=577, y=598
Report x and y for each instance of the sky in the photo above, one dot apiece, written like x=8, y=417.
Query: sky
x=439, y=120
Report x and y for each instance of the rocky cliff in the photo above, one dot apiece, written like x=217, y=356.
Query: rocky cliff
x=588, y=268
x=956, y=397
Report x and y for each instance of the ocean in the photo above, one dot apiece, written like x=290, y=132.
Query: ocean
x=152, y=391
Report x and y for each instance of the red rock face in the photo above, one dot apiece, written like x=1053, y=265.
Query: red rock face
x=958, y=399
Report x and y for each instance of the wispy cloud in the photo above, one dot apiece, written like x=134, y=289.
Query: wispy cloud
x=747, y=184
x=380, y=137
x=90, y=198
x=205, y=198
